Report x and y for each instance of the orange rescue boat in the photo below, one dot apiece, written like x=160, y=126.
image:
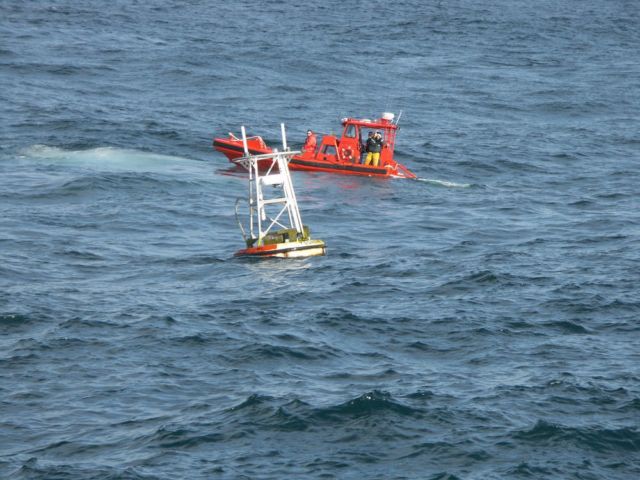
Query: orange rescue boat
x=344, y=154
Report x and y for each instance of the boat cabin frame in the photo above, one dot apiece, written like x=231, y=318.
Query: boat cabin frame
x=350, y=146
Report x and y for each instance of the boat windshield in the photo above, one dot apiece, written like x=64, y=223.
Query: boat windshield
x=351, y=131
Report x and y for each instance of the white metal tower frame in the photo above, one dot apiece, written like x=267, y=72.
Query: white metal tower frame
x=258, y=214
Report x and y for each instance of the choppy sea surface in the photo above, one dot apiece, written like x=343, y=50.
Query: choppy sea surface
x=480, y=323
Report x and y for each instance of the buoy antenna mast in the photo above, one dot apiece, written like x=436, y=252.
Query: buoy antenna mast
x=244, y=141
x=284, y=138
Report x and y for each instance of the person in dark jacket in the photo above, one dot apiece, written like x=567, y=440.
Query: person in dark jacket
x=373, y=148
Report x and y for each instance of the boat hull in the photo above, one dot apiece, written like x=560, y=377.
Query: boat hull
x=233, y=149
x=313, y=165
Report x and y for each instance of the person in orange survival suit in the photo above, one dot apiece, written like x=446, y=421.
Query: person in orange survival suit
x=310, y=143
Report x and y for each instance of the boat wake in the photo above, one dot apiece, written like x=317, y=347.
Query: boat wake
x=113, y=159
x=443, y=183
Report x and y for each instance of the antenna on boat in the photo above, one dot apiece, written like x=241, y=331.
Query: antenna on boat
x=398, y=119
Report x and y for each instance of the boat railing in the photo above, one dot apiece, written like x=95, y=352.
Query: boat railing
x=405, y=171
x=255, y=137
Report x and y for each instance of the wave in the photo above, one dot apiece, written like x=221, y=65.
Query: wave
x=569, y=385
x=529, y=471
x=15, y=319
x=375, y=402
x=633, y=405
x=13, y=322
x=252, y=400
x=272, y=413
x=264, y=352
x=474, y=280
x=595, y=438
x=32, y=470
x=443, y=476
x=566, y=326
x=197, y=259
x=167, y=437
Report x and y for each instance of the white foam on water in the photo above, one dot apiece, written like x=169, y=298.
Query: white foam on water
x=115, y=159
x=444, y=183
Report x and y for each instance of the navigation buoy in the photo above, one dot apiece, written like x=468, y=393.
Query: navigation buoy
x=275, y=227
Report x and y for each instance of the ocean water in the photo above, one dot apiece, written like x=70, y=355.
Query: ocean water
x=479, y=323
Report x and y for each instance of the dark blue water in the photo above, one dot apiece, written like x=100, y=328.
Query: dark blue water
x=481, y=323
